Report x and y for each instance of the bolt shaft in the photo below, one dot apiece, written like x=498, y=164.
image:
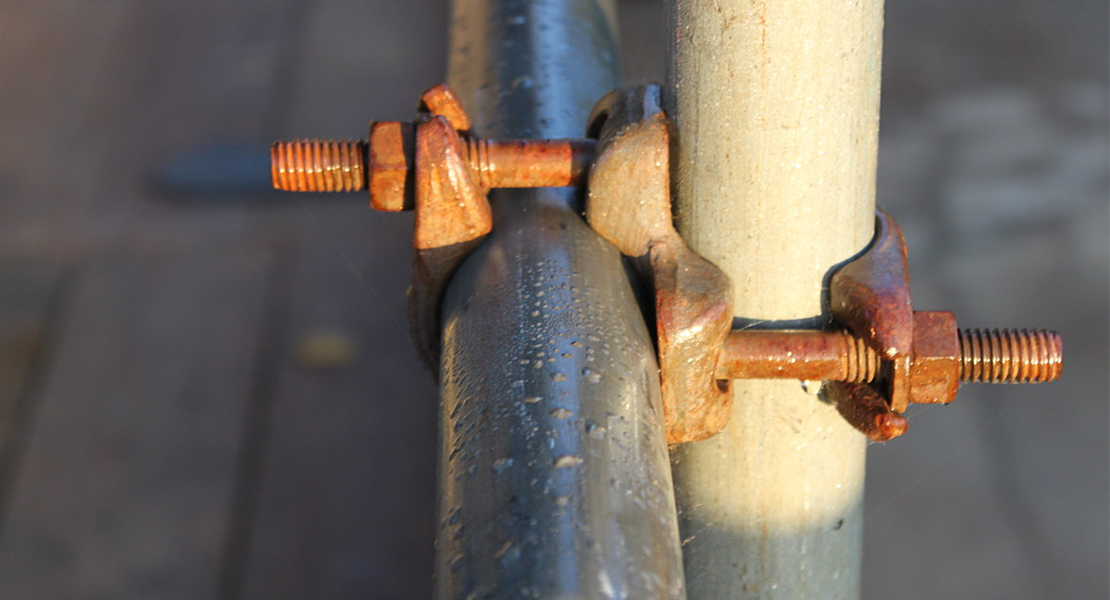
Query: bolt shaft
x=998, y=356
x=529, y=163
x=808, y=355
x=318, y=166
x=330, y=166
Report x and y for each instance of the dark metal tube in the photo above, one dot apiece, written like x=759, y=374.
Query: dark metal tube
x=554, y=477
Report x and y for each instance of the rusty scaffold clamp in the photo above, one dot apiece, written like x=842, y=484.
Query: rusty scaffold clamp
x=435, y=167
x=878, y=357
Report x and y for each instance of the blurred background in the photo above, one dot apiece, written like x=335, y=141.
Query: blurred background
x=207, y=390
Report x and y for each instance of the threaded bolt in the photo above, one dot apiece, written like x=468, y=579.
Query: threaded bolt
x=1010, y=356
x=808, y=355
x=342, y=166
x=861, y=361
x=996, y=356
x=318, y=166
x=478, y=155
x=986, y=356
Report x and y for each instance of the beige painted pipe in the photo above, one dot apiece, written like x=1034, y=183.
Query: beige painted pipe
x=776, y=109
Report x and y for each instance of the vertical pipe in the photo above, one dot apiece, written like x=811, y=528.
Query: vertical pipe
x=775, y=105
x=554, y=477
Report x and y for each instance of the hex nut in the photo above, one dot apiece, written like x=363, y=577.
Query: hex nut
x=935, y=368
x=389, y=162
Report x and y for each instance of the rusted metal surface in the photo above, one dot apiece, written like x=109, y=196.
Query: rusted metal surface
x=629, y=205
x=452, y=217
x=318, y=166
x=1010, y=356
x=888, y=357
x=891, y=355
x=943, y=357
x=935, y=367
x=888, y=351
x=925, y=356
x=692, y=316
x=529, y=163
x=871, y=296
x=451, y=206
x=432, y=165
x=864, y=408
x=391, y=166
x=805, y=355
x=629, y=199
x=440, y=100
x=386, y=164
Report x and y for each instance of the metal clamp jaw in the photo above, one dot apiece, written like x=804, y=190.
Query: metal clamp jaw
x=881, y=356
x=629, y=204
x=437, y=168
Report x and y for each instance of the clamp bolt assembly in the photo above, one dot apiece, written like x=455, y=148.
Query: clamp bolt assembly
x=882, y=356
x=385, y=164
x=436, y=167
x=996, y=356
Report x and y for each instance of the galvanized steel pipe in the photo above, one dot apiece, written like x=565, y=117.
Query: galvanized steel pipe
x=775, y=112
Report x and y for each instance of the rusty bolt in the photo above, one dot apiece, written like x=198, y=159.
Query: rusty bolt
x=1010, y=356
x=529, y=163
x=943, y=356
x=318, y=166
x=385, y=164
x=806, y=355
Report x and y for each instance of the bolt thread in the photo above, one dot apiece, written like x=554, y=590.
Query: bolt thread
x=1010, y=356
x=478, y=155
x=862, y=361
x=318, y=165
